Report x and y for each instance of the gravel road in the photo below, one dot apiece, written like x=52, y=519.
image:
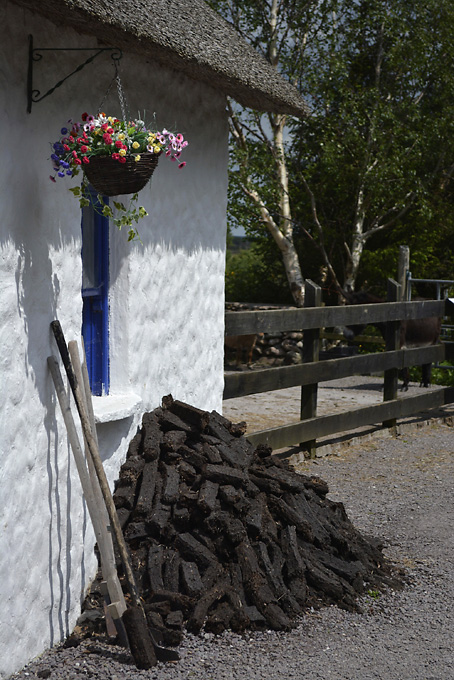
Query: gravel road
x=399, y=489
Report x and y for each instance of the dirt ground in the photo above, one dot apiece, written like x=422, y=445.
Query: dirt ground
x=282, y=407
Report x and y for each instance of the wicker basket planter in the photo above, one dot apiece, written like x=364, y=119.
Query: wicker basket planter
x=116, y=157
x=111, y=178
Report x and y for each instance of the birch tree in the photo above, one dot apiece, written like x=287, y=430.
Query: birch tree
x=259, y=186
x=379, y=144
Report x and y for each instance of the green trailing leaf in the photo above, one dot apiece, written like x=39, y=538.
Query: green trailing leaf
x=107, y=211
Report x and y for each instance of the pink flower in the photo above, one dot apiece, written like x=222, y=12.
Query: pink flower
x=52, y=179
x=182, y=164
x=179, y=138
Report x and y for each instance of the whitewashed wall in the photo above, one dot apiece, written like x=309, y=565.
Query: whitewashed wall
x=166, y=306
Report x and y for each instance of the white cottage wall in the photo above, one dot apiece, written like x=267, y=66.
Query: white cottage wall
x=166, y=310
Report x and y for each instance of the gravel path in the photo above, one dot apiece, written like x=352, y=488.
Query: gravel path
x=400, y=489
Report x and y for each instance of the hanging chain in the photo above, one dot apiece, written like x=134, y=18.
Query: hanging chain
x=121, y=96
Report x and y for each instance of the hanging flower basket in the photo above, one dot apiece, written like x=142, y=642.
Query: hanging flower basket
x=117, y=157
x=111, y=178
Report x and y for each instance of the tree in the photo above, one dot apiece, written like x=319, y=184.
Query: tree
x=376, y=155
x=259, y=186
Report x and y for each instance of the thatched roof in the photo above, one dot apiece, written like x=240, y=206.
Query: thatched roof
x=186, y=35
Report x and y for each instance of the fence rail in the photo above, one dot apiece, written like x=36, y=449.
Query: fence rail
x=311, y=372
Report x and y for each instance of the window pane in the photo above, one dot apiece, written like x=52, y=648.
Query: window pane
x=89, y=269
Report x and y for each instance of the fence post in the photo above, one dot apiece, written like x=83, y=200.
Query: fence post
x=311, y=341
x=392, y=342
x=402, y=270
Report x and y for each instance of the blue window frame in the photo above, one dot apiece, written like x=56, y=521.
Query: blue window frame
x=95, y=290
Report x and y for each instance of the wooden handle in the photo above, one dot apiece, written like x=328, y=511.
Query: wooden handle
x=93, y=450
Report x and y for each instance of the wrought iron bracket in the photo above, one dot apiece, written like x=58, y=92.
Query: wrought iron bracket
x=35, y=55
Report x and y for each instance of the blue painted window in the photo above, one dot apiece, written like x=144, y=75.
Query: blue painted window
x=95, y=290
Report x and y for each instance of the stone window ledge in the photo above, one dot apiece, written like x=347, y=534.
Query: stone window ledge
x=115, y=407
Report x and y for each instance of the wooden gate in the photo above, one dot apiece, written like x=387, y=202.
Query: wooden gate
x=311, y=319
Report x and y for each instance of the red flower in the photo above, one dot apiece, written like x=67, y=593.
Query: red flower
x=107, y=138
x=110, y=130
x=119, y=144
x=122, y=159
x=84, y=116
x=83, y=148
x=71, y=139
x=104, y=126
x=74, y=154
x=66, y=147
x=77, y=161
x=85, y=160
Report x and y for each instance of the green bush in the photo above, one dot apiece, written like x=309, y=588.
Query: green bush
x=440, y=376
x=250, y=276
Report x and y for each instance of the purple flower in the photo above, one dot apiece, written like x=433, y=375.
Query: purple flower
x=55, y=157
x=61, y=174
x=69, y=172
x=64, y=131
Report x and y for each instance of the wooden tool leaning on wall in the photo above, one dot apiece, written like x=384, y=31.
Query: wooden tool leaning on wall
x=144, y=648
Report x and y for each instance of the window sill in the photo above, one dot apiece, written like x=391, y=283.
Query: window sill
x=115, y=407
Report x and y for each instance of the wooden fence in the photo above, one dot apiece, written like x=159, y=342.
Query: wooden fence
x=311, y=319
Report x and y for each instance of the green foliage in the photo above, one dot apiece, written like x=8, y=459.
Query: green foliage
x=377, y=153
x=378, y=149
x=440, y=376
x=251, y=275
